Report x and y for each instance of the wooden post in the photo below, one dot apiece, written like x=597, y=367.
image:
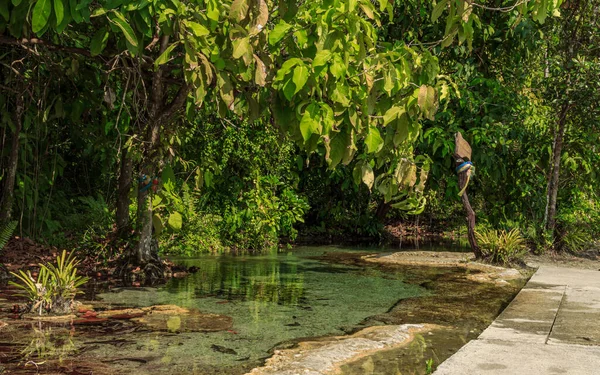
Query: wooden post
x=462, y=153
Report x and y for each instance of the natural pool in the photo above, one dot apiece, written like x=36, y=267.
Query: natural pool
x=270, y=300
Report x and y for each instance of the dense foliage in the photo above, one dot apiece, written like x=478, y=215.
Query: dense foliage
x=224, y=125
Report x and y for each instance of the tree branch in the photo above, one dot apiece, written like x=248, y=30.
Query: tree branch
x=39, y=42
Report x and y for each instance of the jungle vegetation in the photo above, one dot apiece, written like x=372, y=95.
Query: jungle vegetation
x=133, y=127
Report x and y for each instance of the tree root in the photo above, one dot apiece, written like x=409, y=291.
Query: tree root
x=130, y=270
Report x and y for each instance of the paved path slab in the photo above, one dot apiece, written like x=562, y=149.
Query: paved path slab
x=551, y=327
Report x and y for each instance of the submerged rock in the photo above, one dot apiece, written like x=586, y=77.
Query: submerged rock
x=326, y=356
x=485, y=273
x=191, y=322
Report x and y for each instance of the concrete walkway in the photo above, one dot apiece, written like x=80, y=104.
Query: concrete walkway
x=551, y=327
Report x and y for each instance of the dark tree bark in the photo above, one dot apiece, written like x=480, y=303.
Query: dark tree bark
x=553, y=178
x=462, y=181
x=8, y=191
x=382, y=211
x=123, y=200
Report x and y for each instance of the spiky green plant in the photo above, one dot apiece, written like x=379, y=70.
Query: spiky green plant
x=66, y=281
x=501, y=246
x=37, y=291
x=56, y=285
x=6, y=232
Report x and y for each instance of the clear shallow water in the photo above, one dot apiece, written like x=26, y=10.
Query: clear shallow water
x=273, y=300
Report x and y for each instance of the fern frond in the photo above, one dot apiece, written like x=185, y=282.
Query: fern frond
x=6, y=232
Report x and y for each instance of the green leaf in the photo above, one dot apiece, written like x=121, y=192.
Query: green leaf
x=74, y=12
x=208, y=178
x=367, y=175
x=197, y=29
x=289, y=89
x=164, y=57
x=374, y=142
x=338, y=68
x=119, y=20
x=238, y=10
x=337, y=149
x=300, y=77
x=157, y=223
x=241, y=47
x=278, y=32
x=4, y=10
x=309, y=123
x=59, y=11
x=99, y=41
x=168, y=178
x=438, y=9
x=352, y=5
x=16, y=2
x=321, y=58
x=286, y=66
x=41, y=15
x=175, y=221
x=392, y=114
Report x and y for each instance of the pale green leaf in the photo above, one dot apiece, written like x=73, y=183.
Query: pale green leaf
x=165, y=56
x=241, y=47
x=175, y=221
x=279, y=32
x=300, y=77
x=337, y=67
x=197, y=29
x=310, y=122
x=392, y=114
x=367, y=175
x=321, y=58
x=119, y=20
x=373, y=141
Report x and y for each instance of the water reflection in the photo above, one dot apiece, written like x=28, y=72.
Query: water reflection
x=260, y=279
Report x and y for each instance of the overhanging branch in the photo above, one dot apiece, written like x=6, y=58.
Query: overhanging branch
x=40, y=42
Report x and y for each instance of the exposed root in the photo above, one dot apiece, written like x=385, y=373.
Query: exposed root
x=151, y=272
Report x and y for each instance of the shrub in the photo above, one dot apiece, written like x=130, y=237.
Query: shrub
x=55, y=287
x=201, y=233
x=500, y=246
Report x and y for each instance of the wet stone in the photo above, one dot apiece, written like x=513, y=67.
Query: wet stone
x=191, y=322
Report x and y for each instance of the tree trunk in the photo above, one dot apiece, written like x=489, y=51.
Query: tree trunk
x=123, y=201
x=8, y=192
x=552, y=193
x=382, y=211
x=145, y=250
x=462, y=180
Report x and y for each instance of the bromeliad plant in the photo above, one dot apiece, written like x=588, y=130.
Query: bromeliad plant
x=501, y=246
x=55, y=288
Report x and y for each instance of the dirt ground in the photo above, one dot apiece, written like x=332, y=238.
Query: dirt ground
x=589, y=260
